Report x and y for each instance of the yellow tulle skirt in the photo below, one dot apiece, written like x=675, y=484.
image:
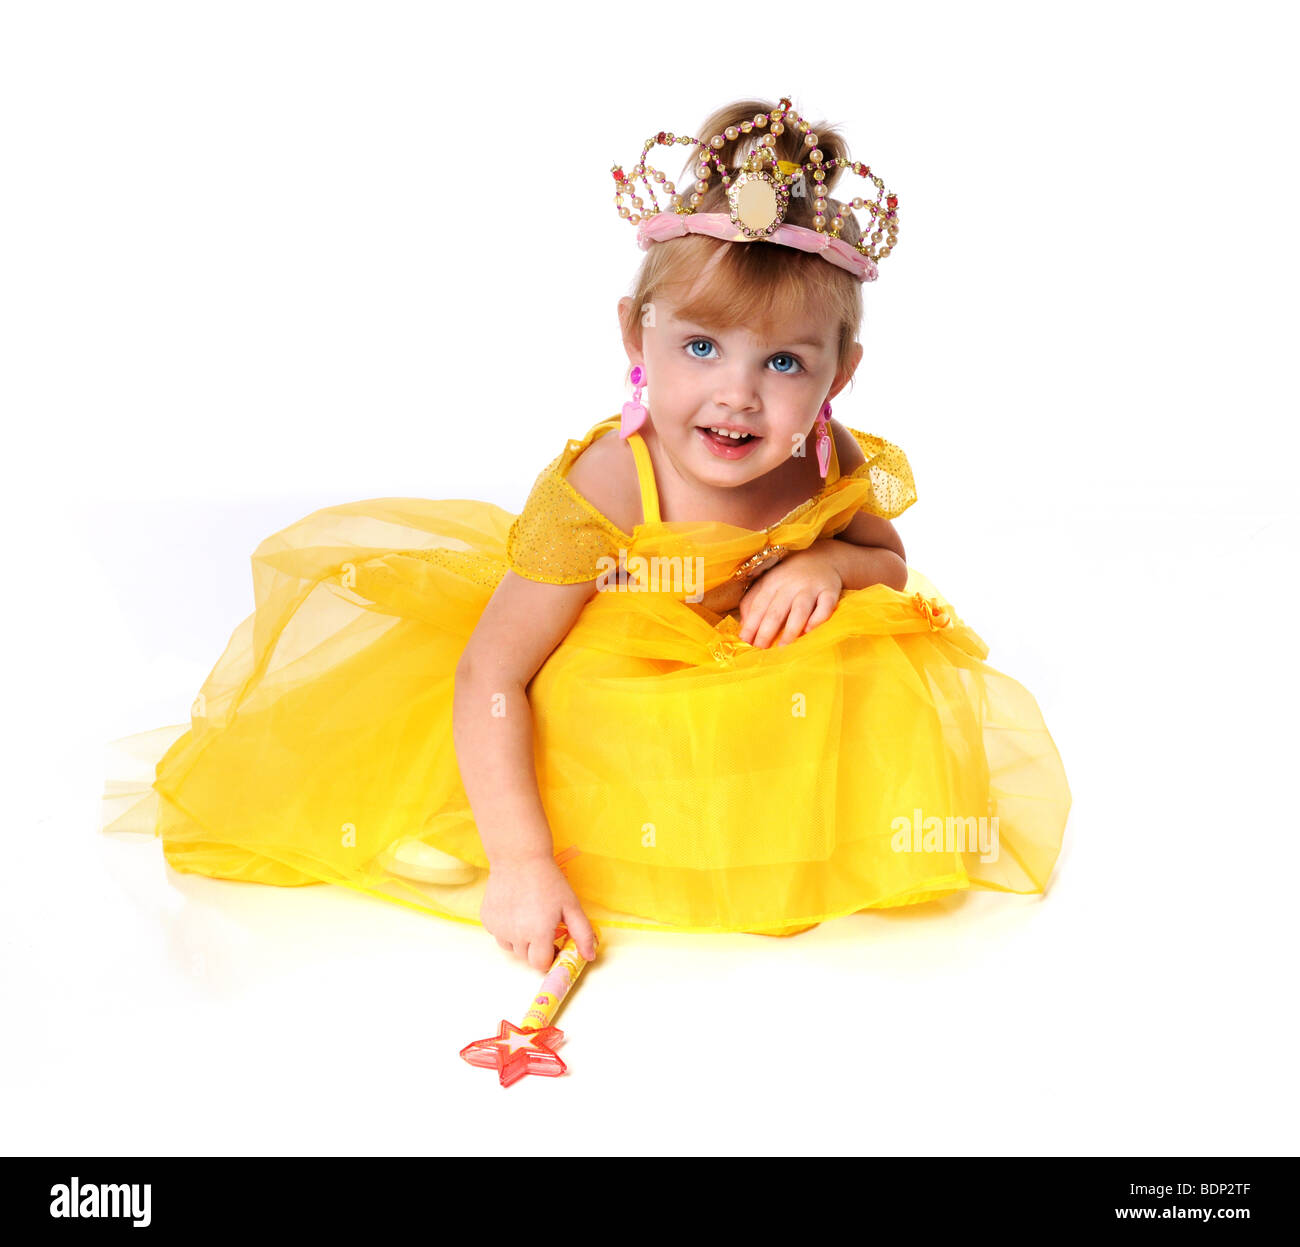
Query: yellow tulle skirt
x=693, y=782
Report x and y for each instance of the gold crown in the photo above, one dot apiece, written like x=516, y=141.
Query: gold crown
x=760, y=186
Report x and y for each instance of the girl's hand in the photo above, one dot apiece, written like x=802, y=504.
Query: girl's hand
x=795, y=594
x=525, y=901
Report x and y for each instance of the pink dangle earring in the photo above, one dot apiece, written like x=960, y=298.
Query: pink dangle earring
x=634, y=413
x=822, y=431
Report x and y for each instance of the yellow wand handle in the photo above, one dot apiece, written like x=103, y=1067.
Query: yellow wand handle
x=569, y=963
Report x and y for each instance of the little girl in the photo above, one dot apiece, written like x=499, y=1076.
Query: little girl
x=693, y=685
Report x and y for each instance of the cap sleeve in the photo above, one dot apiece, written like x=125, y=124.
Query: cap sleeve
x=559, y=538
x=889, y=473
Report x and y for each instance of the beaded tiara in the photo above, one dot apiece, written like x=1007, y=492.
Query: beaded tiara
x=758, y=192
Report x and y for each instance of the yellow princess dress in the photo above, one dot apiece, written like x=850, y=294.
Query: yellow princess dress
x=691, y=781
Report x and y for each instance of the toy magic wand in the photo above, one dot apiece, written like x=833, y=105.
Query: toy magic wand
x=530, y=1047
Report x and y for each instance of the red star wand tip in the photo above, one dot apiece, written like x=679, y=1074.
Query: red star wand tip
x=515, y=1051
x=530, y=1049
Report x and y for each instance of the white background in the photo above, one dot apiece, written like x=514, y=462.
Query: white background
x=257, y=259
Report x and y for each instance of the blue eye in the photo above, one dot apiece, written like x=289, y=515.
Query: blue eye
x=792, y=368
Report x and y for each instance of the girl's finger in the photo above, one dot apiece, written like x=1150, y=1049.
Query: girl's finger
x=580, y=929
x=540, y=955
x=750, y=622
x=773, y=618
x=826, y=601
x=800, y=610
x=752, y=606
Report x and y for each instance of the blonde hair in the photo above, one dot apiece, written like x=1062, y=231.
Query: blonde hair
x=748, y=282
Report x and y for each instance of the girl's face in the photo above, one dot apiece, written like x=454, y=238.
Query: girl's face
x=770, y=386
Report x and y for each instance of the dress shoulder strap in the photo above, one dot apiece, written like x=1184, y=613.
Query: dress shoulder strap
x=645, y=474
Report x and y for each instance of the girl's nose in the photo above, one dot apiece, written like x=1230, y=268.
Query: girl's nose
x=736, y=389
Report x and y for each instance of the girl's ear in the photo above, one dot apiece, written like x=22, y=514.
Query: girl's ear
x=635, y=355
x=843, y=378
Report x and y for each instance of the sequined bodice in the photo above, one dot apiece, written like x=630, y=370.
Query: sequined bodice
x=561, y=538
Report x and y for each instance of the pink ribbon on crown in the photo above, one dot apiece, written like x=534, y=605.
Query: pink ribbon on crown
x=665, y=225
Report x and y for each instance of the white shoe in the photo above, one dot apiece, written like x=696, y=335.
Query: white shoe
x=413, y=859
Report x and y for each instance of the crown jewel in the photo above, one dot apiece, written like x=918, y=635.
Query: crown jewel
x=758, y=199
x=758, y=191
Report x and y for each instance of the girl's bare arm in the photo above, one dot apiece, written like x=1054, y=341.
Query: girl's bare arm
x=526, y=894
x=492, y=727
x=492, y=722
